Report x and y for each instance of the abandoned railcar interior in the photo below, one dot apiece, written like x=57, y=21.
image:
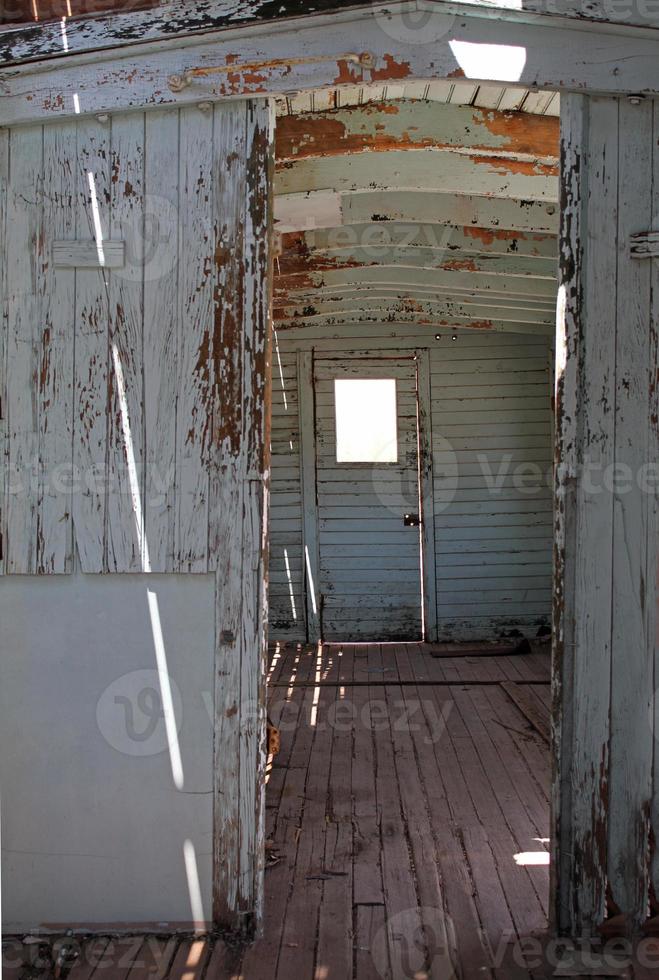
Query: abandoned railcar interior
x=328, y=499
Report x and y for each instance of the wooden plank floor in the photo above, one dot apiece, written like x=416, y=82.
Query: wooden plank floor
x=408, y=821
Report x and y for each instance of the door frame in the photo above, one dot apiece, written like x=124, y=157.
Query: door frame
x=310, y=511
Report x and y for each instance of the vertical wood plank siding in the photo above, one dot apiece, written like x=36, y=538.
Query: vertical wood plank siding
x=605, y=613
x=109, y=370
x=135, y=398
x=287, y=589
x=491, y=439
x=242, y=219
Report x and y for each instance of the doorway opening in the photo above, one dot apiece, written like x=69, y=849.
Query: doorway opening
x=411, y=525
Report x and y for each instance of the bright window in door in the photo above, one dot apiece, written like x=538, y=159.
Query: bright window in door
x=366, y=420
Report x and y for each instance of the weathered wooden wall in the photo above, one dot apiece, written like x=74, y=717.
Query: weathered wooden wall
x=606, y=801
x=134, y=391
x=492, y=452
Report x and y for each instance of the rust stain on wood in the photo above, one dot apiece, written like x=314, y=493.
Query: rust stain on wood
x=508, y=166
x=459, y=265
x=327, y=134
x=523, y=132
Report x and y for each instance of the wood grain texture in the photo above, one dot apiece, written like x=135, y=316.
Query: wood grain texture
x=25, y=257
x=242, y=215
x=90, y=427
x=162, y=341
x=54, y=503
x=606, y=524
x=490, y=416
x=309, y=485
x=149, y=384
x=126, y=547
x=4, y=446
x=195, y=290
x=559, y=55
x=632, y=674
x=652, y=576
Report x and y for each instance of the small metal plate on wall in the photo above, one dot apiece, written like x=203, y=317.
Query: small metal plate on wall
x=412, y=520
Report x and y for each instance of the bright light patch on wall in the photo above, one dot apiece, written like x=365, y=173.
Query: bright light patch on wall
x=312, y=587
x=290, y=584
x=532, y=858
x=96, y=216
x=166, y=696
x=505, y=62
x=194, y=887
x=366, y=429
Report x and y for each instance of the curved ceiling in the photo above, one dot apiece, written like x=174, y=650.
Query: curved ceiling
x=437, y=212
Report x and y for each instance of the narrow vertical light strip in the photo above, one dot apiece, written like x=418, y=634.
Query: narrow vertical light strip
x=76, y=103
x=312, y=585
x=152, y=598
x=316, y=693
x=136, y=497
x=69, y=12
x=194, y=887
x=290, y=584
x=96, y=216
x=65, y=40
x=35, y=10
x=165, y=691
x=281, y=370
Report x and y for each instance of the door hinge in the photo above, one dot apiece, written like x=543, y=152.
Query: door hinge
x=645, y=245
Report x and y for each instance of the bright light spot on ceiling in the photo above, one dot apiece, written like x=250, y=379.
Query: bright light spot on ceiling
x=504, y=62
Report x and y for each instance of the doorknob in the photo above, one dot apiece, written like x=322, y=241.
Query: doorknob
x=411, y=520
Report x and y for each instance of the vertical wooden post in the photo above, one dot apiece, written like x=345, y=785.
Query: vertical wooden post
x=4, y=180
x=605, y=542
x=310, y=545
x=239, y=488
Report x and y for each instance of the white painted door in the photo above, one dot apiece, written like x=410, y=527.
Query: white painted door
x=367, y=463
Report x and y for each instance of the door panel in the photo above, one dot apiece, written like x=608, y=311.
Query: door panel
x=370, y=564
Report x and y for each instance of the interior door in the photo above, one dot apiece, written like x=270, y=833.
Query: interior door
x=367, y=463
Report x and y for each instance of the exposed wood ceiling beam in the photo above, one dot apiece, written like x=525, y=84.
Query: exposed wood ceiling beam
x=403, y=236
x=391, y=293
x=434, y=261
x=420, y=208
x=376, y=325
x=402, y=125
x=428, y=170
x=388, y=275
x=388, y=309
x=441, y=306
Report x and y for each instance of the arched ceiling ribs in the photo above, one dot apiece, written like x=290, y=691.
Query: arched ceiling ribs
x=416, y=214
x=409, y=125
x=426, y=170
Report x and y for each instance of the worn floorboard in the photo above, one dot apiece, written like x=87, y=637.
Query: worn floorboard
x=407, y=821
